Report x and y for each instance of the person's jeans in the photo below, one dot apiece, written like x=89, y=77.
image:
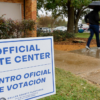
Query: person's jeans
x=94, y=29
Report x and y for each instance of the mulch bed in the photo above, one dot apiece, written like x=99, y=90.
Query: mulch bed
x=70, y=42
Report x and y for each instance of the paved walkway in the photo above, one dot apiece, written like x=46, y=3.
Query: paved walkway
x=93, y=52
x=85, y=64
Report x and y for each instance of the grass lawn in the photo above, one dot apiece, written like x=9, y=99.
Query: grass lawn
x=84, y=35
x=70, y=87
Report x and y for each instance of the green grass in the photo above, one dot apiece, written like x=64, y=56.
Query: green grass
x=70, y=87
x=84, y=35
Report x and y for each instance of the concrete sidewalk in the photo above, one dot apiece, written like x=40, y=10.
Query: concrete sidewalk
x=79, y=64
x=93, y=52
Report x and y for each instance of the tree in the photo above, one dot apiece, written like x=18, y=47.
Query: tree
x=43, y=21
x=49, y=21
x=72, y=9
x=60, y=22
x=78, y=14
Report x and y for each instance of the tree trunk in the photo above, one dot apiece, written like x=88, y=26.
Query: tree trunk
x=76, y=19
x=70, y=19
x=76, y=27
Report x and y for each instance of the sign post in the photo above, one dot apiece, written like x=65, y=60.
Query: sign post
x=27, y=68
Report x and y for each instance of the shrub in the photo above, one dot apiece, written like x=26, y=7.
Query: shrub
x=38, y=33
x=70, y=35
x=3, y=28
x=41, y=33
x=27, y=25
x=45, y=34
x=14, y=29
x=18, y=29
x=10, y=26
x=59, y=35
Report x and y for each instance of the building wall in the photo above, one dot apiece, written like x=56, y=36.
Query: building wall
x=30, y=10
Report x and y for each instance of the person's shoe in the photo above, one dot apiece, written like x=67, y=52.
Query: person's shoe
x=87, y=47
x=99, y=48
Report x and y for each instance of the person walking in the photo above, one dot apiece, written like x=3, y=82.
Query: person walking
x=92, y=19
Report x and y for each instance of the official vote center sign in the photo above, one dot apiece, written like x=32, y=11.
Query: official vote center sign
x=27, y=68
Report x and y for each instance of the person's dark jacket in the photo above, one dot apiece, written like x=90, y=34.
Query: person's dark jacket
x=92, y=18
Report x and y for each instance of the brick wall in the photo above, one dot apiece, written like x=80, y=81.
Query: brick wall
x=30, y=10
x=31, y=5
